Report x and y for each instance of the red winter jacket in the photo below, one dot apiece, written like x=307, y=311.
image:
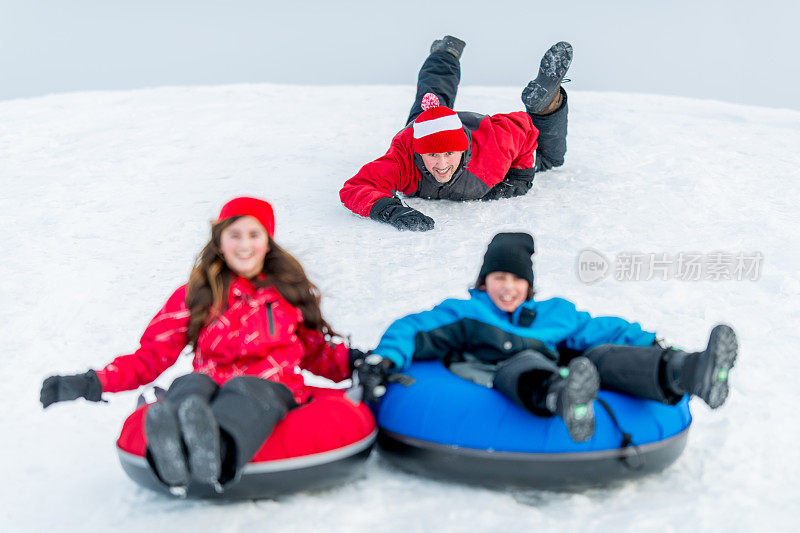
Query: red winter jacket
x=259, y=334
x=502, y=147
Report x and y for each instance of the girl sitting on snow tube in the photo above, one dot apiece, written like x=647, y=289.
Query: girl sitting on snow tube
x=545, y=355
x=253, y=319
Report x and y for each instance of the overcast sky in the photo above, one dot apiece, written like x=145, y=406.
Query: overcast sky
x=743, y=52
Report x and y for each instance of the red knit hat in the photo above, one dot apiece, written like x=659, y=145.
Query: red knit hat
x=246, y=206
x=438, y=129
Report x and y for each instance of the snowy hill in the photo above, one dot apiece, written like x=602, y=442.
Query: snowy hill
x=106, y=198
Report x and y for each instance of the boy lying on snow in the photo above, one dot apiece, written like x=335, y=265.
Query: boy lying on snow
x=464, y=156
x=501, y=337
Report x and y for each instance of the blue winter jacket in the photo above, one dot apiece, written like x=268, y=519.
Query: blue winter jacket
x=478, y=327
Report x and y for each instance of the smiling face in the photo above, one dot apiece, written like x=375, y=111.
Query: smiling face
x=244, y=245
x=442, y=166
x=506, y=290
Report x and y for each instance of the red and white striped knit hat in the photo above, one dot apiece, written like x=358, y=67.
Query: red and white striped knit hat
x=438, y=129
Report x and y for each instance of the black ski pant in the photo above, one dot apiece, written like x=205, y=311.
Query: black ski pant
x=634, y=370
x=525, y=378
x=247, y=409
x=440, y=74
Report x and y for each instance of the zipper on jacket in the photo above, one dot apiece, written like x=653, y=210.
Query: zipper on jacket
x=270, y=318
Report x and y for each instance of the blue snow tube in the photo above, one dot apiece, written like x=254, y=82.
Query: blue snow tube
x=447, y=427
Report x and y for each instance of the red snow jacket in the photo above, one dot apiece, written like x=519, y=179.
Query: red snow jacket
x=258, y=334
x=501, y=147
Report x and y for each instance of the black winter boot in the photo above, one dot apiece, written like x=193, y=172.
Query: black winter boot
x=571, y=398
x=540, y=92
x=449, y=44
x=165, y=448
x=705, y=374
x=201, y=435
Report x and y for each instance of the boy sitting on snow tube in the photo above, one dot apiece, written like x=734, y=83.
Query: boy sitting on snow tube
x=253, y=319
x=501, y=337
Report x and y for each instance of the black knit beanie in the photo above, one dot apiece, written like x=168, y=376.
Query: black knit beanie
x=509, y=252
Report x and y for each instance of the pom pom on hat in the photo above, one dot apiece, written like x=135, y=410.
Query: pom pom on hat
x=254, y=207
x=438, y=129
x=429, y=101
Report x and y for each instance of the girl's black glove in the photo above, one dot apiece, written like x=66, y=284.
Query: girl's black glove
x=372, y=372
x=67, y=388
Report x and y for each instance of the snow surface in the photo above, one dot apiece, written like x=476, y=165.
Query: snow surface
x=106, y=198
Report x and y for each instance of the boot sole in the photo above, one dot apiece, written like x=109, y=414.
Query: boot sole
x=581, y=388
x=164, y=445
x=552, y=69
x=456, y=45
x=722, y=350
x=201, y=435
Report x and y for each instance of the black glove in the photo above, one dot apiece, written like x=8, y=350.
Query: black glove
x=372, y=372
x=392, y=211
x=502, y=190
x=516, y=183
x=356, y=358
x=67, y=388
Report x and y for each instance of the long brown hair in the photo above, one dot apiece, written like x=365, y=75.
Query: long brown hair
x=210, y=278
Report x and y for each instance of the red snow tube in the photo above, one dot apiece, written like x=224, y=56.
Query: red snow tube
x=322, y=443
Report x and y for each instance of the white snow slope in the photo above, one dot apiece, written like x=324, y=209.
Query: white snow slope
x=106, y=198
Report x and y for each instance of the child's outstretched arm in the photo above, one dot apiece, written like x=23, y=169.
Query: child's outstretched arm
x=427, y=335
x=589, y=331
x=161, y=344
x=324, y=358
